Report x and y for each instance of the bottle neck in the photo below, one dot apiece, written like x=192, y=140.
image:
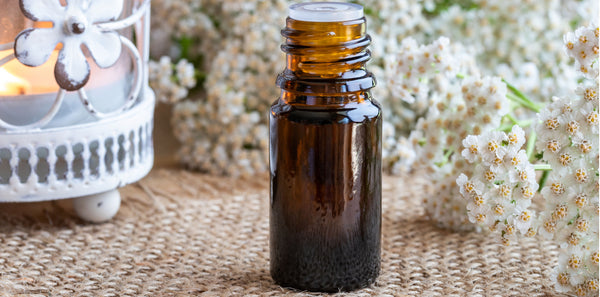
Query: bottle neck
x=296, y=98
x=326, y=59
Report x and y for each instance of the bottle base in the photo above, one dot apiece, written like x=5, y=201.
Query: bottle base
x=325, y=284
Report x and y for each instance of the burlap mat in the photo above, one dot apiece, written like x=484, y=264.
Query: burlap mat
x=181, y=233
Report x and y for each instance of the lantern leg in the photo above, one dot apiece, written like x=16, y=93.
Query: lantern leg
x=98, y=208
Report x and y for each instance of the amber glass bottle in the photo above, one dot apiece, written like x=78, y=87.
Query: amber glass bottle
x=325, y=154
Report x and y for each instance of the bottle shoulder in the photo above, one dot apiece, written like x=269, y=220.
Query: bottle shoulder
x=355, y=112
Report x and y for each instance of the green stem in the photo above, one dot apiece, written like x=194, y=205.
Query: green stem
x=544, y=167
x=543, y=179
x=520, y=97
x=517, y=92
x=185, y=44
x=512, y=118
x=505, y=127
x=531, y=144
x=508, y=126
x=446, y=158
x=524, y=124
x=524, y=103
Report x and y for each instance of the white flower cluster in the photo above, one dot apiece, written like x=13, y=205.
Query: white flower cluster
x=568, y=138
x=582, y=45
x=411, y=69
x=388, y=23
x=492, y=30
x=424, y=76
x=529, y=59
x=436, y=140
x=503, y=183
x=225, y=131
x=499, y=192
x=169, y=81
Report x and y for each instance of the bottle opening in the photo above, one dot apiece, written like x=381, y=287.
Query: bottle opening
x=326, y=12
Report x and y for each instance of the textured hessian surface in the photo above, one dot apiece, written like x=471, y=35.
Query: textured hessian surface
x=181, y=233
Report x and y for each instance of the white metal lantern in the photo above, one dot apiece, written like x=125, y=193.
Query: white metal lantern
x=75, y=106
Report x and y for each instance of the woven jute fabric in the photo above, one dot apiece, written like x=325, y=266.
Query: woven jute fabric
x=187, y=234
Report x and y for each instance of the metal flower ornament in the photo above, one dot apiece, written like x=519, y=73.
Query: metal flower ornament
x=74, y=25
x=78, y=30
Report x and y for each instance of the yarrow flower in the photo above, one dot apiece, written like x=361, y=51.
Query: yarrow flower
x=225, y=131
x=507, y=183
x=437, y=138
x=567, y=137
x=530, y=59
x=582, y=45
x=171, y=82
x=415, y=65
x=570, y=145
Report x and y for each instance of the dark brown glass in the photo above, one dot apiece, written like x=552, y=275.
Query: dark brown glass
x=325, y=161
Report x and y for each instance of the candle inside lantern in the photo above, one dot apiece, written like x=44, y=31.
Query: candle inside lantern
x=40, y=80
x=27, y=93
x=18, y=79
x=11, y=84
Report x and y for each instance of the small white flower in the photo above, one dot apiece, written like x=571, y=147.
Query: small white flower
x=589, y=118
x=572, y=262
x=472, y=148
x=488, y=175
x=514, y=160
x=562, y=280
x=480, y=217
x=548, y=227
x=572, y=123
x=501, y=210
x=524, y=219
x=477, y=202
x=562, y=161
x=492, y=147
x=516, y=139
x=185, y=74
x=589, y=92
x=523, y=173
x=556, y=189
x=468, y=187
x=526, y=192
x=585, y=145
x=550, y=125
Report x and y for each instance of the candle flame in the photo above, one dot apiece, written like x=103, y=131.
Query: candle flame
x=12, y=85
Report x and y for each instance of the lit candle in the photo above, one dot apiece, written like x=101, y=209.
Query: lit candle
x=18, y=79
x=12, y=85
